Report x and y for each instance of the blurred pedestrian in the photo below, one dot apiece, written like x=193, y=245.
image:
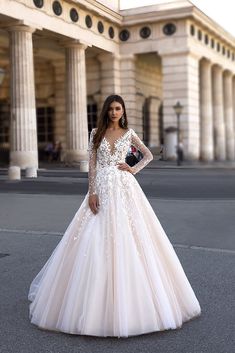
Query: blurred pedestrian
x=49, y=151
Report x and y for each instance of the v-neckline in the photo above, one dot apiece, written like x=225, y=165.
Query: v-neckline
x=112, y=151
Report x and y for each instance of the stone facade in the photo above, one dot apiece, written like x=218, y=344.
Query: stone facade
x=61, y=59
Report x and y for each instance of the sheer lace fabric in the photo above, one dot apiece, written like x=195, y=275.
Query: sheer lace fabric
x=105, y=156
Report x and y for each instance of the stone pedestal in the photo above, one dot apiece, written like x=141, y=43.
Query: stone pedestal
x=84, y=166
x=206, y=131
x=31, y=172
x=76, y=104
x=170, y=145
x=14, y=173
x=23, y=139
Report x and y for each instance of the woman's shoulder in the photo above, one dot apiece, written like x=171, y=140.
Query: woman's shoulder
x=129, y=129
x=132, y=131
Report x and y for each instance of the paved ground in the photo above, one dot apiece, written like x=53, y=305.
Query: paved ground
x=196, y=207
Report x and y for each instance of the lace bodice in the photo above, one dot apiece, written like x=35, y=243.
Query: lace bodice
x=105, y=157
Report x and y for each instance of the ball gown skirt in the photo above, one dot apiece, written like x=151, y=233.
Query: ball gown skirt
x=114, y=273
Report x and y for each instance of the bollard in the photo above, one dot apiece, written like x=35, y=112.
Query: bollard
x=14, y=173
x=31, y=172
x=83, y=166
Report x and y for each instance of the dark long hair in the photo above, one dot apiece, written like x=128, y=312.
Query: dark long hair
x=103, y=119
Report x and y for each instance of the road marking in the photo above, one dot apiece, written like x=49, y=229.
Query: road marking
x=175, y=245
x=194, y=247
x=24, y=231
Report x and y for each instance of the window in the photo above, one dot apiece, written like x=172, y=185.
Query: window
x=4, y=122
x=146, y=121
x=192, y=30
x=161, y=125
x=45, y=117
x=91, y=115
x=124, y=35
x=169, y=29
x=145, y=32
x=74, y=15
x=199, y=34
x=88, y=21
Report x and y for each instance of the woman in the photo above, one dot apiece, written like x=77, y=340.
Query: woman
x=114, y=272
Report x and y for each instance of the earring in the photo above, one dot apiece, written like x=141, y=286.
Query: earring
x=122, y=120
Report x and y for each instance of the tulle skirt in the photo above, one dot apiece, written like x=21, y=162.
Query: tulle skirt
x=114, y=273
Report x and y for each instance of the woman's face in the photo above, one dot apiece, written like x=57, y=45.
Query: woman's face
x=115, y=111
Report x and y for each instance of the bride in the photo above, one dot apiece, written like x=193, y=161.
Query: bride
x=114, y=272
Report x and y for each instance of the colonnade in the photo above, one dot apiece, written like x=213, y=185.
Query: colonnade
x=23, y=127
x=217, y=112
x=216, y=88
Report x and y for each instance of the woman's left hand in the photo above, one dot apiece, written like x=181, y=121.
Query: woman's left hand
x=125, y=166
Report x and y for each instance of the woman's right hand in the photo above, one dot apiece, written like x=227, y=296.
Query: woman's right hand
x=94, y=203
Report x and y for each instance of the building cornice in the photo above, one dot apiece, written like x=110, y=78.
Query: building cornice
x=171, y=12
x=99, y=9
x=155, y=13
x=213, y=26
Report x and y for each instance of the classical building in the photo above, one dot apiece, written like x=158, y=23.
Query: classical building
x=60, y=59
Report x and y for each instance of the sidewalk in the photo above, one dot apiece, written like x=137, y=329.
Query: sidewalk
x=154, y=164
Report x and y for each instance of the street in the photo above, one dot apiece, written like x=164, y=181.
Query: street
x=196, y=207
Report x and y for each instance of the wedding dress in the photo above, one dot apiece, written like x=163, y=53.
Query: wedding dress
x=114, y=273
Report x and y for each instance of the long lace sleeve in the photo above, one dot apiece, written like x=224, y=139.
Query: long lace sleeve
x=92, y=166
x=147, y=155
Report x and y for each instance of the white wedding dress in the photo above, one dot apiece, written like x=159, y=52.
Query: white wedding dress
x=114, y=273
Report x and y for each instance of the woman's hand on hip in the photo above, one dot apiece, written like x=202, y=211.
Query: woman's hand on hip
x=94, y=204
x=126, y=167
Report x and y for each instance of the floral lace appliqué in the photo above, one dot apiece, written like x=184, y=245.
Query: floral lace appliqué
x=105, y=157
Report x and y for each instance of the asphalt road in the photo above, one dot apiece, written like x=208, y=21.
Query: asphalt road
x=157, y=183
x=195, y=207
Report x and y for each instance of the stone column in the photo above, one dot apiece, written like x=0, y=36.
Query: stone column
x=218, y=112
x=228, y=115
x=128, y=90
x=138, y=122
x=206, y=131
x=234, y=108
x=180, y=82
x=110, y=75
x=59, y=124
x=154, y=105
x=76, y=103
x=23, y=139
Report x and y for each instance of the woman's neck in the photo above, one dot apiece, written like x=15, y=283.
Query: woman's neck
x=114, y=127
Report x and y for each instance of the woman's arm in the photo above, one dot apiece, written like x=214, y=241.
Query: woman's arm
x=92, y=166
x=93, y=197
x=147, y=155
